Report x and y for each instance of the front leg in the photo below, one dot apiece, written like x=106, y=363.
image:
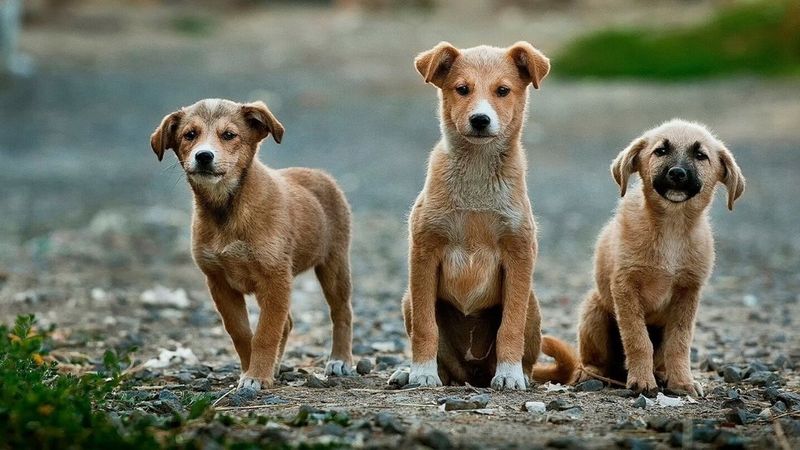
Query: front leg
x=233, y=310
x=272, y=293
x=628, y=308
x=677, y=344
x=423, y=281
x=517, y=299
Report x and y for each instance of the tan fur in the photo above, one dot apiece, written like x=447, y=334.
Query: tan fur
x=472, y=232
x=651, y=262
x=254, y=228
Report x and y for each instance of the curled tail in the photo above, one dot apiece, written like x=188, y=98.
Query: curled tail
x=565, y=370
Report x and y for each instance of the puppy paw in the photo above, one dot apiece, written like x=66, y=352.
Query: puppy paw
x=246, y=382
x=509, y=376
x=688, y=387
x=400, y=377
x=424, y=374
x=338, y=368
x=642, y=383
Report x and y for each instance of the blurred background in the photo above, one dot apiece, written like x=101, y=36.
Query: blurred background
x=86, y=209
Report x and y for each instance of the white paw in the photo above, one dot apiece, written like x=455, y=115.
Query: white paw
x=400, y=377
x=424, y=374
x=249, y=383
x=509, y=376
x=338, y=368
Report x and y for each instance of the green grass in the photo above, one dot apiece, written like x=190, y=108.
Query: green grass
x=42, y=408
x=761, y=38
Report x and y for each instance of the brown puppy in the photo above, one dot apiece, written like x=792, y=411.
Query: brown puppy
x=470, y=310
x=255, y=228
x=651, y=262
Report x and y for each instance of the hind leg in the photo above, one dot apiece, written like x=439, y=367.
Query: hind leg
x=334, y=277
x=533, y=337
x=287, y=328
x=400, y=376
x=593, y=337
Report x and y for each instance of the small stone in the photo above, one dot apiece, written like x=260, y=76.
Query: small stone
x=732, y=374
x=434, y=439
x=364, y=366
x=574, y=413
x=631, y=424
x=288, y=377
x=558, y=405
x=284, y=368
x=330, y=429
x=312, y=381
x=203, y=384
x=640, y=402
x=763, y=378
x=535, y=407
x=789, y=398
x=242, y=396
x=740, y=416
x=733, y=403
x=771, y=394
x=783, y=362
x=664, y=424
x=590, y=386
x=399, y=378
x=273, y=399
x=624, y=393
x=389, y=423
x=459, y=404
x=729, y=440
x=710, y=365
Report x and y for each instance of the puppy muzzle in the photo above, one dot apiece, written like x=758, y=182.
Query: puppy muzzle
x=677, y=184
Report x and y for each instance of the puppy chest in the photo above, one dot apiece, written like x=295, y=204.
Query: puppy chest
x=239, y=261
x=469, y=274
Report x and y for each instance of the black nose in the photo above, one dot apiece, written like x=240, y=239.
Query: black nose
x=677, y=174
x=204, y=157
x=479, y=121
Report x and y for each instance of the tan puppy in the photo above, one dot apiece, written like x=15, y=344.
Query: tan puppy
x=255, y=228
x=470, y=310
x=652, y=261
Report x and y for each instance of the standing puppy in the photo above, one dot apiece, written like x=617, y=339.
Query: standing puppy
x=255, y=228
x=651, y=262
x=470, y=310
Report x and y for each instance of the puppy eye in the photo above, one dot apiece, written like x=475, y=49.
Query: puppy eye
x=700, y=156
x=661, y=151
x=462, y=89
x=228, y=135
x=190, y=135
x=502, y=91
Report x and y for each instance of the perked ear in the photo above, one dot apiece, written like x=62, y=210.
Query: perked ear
x=261, y=119
x=533, y=66
x=164, y=137
x=626, y=163
x=731, y=176
x=434, y=64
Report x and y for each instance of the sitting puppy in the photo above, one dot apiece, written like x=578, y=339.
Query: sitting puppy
x=651, y=263
x=470, y=310
x=255, y=228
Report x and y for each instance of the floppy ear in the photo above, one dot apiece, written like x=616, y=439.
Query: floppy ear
x=434, y=64
x=261, y=119
x=164, y=137
x=626, y=163
x=533, y=66
x=731, y=176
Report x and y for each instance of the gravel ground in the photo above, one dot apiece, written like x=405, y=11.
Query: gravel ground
x=94, y=233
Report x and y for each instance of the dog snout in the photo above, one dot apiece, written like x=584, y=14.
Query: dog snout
x=204, y=157
x=479, y=121
x=677, y=174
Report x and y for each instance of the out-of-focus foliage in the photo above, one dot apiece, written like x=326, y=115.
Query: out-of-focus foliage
x=761, y=37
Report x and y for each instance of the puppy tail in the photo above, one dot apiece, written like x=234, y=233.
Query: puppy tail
x=567, y=365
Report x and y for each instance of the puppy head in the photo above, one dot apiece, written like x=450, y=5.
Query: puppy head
x=215, y=139
x=483, y=90
x=679, y=161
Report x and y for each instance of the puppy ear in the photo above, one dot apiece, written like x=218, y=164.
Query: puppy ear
x=164, y=137
x=261, y=119
x=731, y=176
x=626, y=163
x=533, y=66
x=434, y=64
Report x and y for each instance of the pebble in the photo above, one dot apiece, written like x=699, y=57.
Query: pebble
x=558, y=405
x=272, y=399
x=535, y=407
x=400, y=378
x=740, y=416
x=435, y=439
x=389, y=423
x=733, y=403
x=242, y=396
x=624, y=393
x=640, y=402
x=203, y=384
x=330, y=429
x=763, y=378
x=664, y=424
x=732, y=374
x=729, y=440
x=312, y=381
x=590, y=386
x=291, y=376
x=364, y=366
x=459, y=404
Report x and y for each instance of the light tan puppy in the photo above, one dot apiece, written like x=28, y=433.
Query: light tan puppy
x=651, y=262
x=470, y=310
x=254, y=228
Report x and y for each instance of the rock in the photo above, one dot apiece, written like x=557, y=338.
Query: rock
x=399, y=378
x=431, y=438
x=740, y=416
x=242, y=396
x=272, y=399
x=763, y=378
x=291, y=376
x=641, y=402
x=284, y=368
x=791, y=399
x=624, y=393
x=590, y=386
x=535, y=407
x=755, y=367
x=732, y=403
x=330, y=429
x=782, y=362
x=732, y=374
x=631, y=424
x=664, y=424
x=203, y=384
x=771, y=394
x=558, y=405
x=389, y=423
x=459, y=404
x=700, y=434
x=729, y=440
x=364, y=366
x=312, y=381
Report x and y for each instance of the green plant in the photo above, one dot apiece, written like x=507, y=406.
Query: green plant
x=761, y=37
